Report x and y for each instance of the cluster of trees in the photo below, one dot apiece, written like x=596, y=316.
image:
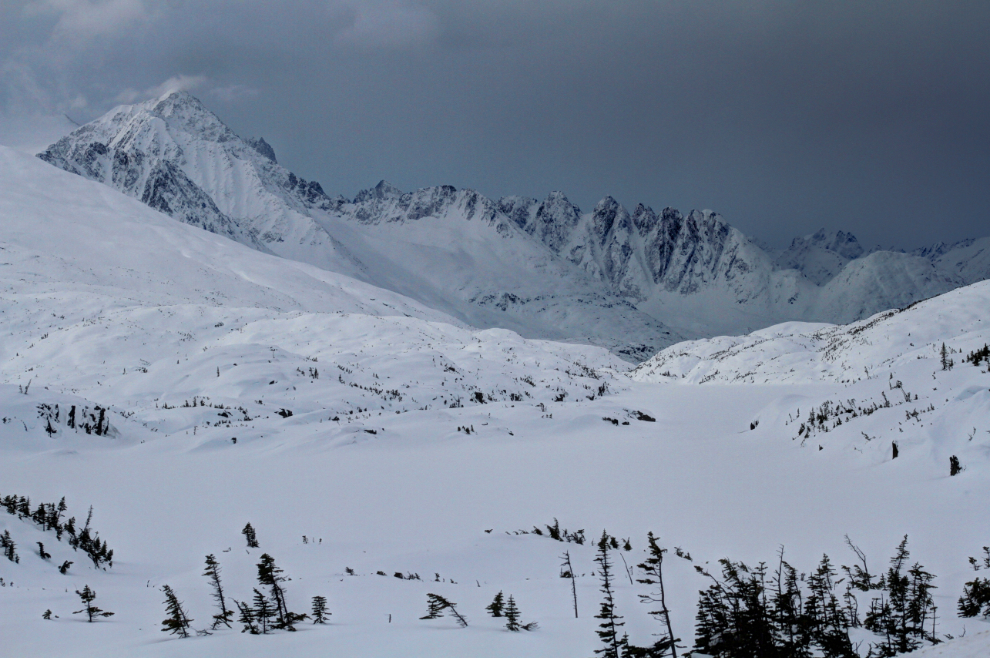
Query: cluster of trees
x=976, y=593
x=755, y=612
x=437, y=605
x=981, y=355
x=90, y=420
x=48, y=516
x=267, y=612
x=557, y=533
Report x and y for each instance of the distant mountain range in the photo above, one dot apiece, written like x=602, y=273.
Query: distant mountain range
x=634, y=282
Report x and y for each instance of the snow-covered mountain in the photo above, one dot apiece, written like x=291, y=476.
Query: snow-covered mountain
x=455, y=250
x=634, y=282
x=820, y=256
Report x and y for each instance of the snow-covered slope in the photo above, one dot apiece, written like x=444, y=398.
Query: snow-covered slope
x=417, y=446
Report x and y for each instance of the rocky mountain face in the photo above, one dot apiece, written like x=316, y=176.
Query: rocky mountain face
x=631, y=281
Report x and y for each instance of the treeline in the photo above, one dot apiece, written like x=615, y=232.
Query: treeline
x=48, y=517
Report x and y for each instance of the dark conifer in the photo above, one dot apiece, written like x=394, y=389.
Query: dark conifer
x=177, y=621
x=653, y=567
x=567, y=571
x=496, y=606
x=320, y=613
x=436, y=604
x=212, y=573
x=246, y=617
x=87, y=596
x=512, y=615
x=250, y=536
x=613, y=646
x=263, y=612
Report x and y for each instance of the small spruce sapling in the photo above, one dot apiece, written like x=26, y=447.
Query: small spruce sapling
x=177, y=621
x=87, y=596
x=320, y=613
x=955, y=468
x=250, y=536
x=512, y=615
x=496, y=606
x=436, y=604
x=246, y=617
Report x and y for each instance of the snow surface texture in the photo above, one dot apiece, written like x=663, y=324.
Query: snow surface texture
x=390, y=462
x=633, y=282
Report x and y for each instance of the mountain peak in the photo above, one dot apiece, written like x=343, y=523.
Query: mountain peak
x=384, y=190
x=262, y=147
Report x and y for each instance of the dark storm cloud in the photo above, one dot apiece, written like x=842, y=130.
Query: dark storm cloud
x=783, y=116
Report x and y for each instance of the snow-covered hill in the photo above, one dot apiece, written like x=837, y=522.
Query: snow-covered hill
x=420, y=446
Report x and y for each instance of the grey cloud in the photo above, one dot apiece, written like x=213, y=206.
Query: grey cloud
x=783, y=116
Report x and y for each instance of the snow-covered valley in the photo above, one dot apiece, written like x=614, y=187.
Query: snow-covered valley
x=421, y=446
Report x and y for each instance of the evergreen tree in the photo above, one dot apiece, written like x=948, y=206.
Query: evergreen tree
x=177, y=621
x=250, y=536
x=436, y=604
x=212, y=572
x=947, y=363
x=954, y=467
x=496, y=606
x=976, y=593
x=270, y=574
x=512, y=615
x=902, y=616
x=613, y=646
x=263, y=612
x=246, y=617
x=87, y=596
x=653, y=567
x=320, y=613
x=567, y=571
x=9, y=547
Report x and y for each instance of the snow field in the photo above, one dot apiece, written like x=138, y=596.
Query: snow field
x=95, y=289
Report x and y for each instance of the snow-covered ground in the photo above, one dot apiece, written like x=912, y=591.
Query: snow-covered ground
x=419, y=445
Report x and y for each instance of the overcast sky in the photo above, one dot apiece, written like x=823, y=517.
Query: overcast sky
x=868, y=116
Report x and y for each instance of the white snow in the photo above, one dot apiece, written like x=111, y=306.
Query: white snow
x=106, y=302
